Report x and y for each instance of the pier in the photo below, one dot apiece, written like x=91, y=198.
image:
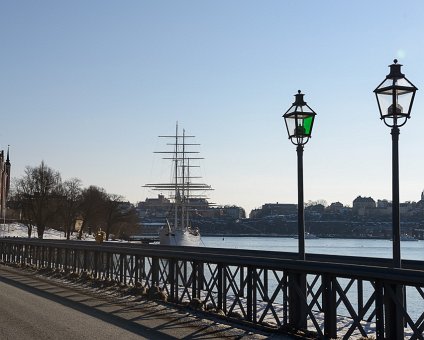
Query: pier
x=332, y=296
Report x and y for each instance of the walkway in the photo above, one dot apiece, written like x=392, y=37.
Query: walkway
x=35, y=307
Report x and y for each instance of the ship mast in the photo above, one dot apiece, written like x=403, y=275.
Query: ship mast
x=176, y=178
x=181, y=184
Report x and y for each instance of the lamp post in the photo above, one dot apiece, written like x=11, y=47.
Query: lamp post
x=395, y=96
x=299, y=119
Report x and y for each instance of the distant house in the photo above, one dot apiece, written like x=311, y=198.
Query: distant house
x=154, y=207
x=336, y=207
x=274, y=209
x=362, y=205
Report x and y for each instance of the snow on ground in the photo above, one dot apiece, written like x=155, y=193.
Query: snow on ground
x=20, y=230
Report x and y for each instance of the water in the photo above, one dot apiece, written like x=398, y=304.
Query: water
x=410, y=250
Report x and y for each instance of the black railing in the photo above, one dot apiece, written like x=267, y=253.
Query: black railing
x=334, y=296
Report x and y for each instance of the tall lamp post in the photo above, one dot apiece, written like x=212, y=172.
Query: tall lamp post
x=395, y=96
x=299, y=119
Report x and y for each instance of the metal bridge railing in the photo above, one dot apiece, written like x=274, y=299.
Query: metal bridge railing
x=334, y=296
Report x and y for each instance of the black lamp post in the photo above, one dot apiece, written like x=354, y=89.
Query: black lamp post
x=395, y=96
x=299, y=120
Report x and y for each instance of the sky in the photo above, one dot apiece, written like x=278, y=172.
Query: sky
x=88, y=86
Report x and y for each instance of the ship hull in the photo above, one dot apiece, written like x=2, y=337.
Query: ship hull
x=178, y=238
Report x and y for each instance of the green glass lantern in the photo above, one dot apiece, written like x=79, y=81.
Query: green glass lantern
x=299, y=119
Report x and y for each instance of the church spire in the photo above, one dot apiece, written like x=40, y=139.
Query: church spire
x=7, y=158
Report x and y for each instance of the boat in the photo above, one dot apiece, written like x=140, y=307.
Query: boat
x=185, y=194
x=308, y=236
x=406, y=237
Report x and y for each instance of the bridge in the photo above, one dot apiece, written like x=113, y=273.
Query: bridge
x=331, y=296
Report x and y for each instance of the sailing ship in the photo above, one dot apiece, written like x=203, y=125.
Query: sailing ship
x=184, y=192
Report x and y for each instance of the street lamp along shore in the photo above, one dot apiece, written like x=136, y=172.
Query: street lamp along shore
x=299, y=120
x=395, y=97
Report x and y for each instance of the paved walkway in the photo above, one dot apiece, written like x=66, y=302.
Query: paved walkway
x=100, y=315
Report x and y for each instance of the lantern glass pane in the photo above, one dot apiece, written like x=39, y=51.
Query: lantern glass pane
x=292, y=127
x=293, y=109
x=386, y=83
x=307, y=124
x=385, y=100
x=403, y=82
x=404, y=100
x=401, y=85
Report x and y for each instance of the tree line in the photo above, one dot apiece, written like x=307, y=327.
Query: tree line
x=43, y=200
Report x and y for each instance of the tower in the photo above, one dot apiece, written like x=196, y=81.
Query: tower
x=5, y=182
x=8, y=165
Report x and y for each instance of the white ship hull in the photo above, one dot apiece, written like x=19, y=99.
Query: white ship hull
x=179, y=238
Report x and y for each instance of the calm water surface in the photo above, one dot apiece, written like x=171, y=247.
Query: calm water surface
x=410, y=250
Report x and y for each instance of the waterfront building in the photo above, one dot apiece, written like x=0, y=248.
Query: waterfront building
x=336, y=208
x=154, y=207
x=274, y=209
x=362, y=205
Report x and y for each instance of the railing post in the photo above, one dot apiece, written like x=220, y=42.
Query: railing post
x=171, y=280
x=265, y=292
x=285, y=298
x=393, y=302
x=155, y=271
x=108, y=261
x=200, y=277
x=96, y=264
x=329, y=306
x=74, y=260
x=121, y=268
x=220, y=283
x=194, y=280
x=249, y=302
x=125, y=267
x=297, y=300
x=136, y=269
x=57, y=256
x=84, y=266
x=379, y=310
x=65, y=260
x=241, y=280
x=131, y=271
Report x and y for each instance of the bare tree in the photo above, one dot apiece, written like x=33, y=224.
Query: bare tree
x=91, y=207
x=120, y=217
x=69, y=204
x=37, y=191
x=113, y=212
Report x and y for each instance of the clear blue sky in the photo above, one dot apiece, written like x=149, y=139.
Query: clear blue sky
x=87, y=86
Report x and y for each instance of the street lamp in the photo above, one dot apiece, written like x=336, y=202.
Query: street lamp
x=299, y=119
x=395, y=96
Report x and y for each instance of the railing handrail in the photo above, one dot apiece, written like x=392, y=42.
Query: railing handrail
x=341, y=266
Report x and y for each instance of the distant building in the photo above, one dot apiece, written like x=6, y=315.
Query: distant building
x=161, y=208
x=274, y=209
x=5, y=181
x=384, y=204
x=154, y=207
x=315, y=208
x=233, y=212
x=336, y=208
x=362, y=205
